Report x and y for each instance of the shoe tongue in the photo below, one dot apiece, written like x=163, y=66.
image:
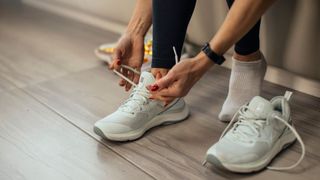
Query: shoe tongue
x=260, y=107
x=146, y=79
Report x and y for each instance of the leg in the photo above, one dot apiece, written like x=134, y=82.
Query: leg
x=249, y=44
x=170, y=21
x=248, y=70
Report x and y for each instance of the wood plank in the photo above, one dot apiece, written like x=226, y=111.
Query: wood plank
x=142, y=152
x=36, y=143
x=36, y=46
x=176, y=151
x=5, y=84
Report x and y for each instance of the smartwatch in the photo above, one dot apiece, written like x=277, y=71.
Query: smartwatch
x=217, y=59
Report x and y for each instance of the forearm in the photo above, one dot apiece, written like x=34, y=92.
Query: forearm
x=141, y=19
x=240, y=19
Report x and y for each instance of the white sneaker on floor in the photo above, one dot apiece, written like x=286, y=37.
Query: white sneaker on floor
x=139, y=113
x=262, y=129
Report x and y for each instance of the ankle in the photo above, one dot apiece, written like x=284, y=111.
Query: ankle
x=159, y=72
x=248, y=58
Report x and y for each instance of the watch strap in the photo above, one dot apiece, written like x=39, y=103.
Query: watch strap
x=217, y=59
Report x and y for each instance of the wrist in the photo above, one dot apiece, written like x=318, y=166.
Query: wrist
x=202, y=63
x=134, y=33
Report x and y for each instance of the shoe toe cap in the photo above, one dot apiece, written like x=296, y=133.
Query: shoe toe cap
x=231, y=156
x=111, y=128
x=225, y=117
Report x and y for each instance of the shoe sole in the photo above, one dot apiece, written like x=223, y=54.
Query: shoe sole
x=286, y=140
x=162, y=119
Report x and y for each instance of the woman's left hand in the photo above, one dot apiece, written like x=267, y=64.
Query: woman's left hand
x=180, y=79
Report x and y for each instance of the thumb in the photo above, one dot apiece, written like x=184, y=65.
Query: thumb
x=116, y=59
x=158, y=76
x=116, y=54
x=161, y=83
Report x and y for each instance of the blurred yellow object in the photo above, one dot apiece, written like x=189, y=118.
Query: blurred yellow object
x=109, y=50
x=104, y=52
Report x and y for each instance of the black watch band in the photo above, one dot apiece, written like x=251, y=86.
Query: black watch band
x=212, y=55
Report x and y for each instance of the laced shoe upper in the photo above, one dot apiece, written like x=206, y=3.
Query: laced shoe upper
x=139, y=96
x=253, y=131
x=135, y=111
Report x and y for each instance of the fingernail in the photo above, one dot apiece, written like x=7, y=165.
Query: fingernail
x=118, y=62
x=154, y=87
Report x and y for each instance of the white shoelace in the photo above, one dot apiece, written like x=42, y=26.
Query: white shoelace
x=138, y=98
x=139, y=95
x=138, y=72
x=255, y=124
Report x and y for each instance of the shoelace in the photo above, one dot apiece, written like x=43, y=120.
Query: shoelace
x=138, y=72
x=139, y=95
x=250, y=124
x=254, y=123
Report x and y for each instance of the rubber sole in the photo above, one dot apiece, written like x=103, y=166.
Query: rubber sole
x=283, y=142
x=163, y=119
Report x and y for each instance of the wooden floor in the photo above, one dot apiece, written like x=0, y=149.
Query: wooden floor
x=53, y=89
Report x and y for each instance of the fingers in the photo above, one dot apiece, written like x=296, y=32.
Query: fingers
x=161, y=83
x=136, y=78
x=122, y=82
x=158, y=76
x=116, y=63
x=116, y=54
x=133, y=77
x=172, y=91
x=166, y=100
x=130, y=76
x=124, y=72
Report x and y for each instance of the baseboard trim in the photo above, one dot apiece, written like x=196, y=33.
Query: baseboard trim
x=274, y=74
x=293, y=81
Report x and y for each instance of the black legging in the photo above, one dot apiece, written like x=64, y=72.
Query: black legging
x=170, y=21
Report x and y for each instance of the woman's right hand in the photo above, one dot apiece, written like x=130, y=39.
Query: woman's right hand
x=129, y=51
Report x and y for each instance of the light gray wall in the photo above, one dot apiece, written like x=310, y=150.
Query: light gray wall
x=290, y=32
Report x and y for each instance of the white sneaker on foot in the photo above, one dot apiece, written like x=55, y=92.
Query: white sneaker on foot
x=139, y=113
x=262, y=129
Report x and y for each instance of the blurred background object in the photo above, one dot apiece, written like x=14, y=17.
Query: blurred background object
x=105, y=51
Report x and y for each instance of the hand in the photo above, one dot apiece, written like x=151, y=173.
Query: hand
x=129, y=51
x=180, y=79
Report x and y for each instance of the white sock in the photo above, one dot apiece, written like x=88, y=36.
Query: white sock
x=245, y=83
